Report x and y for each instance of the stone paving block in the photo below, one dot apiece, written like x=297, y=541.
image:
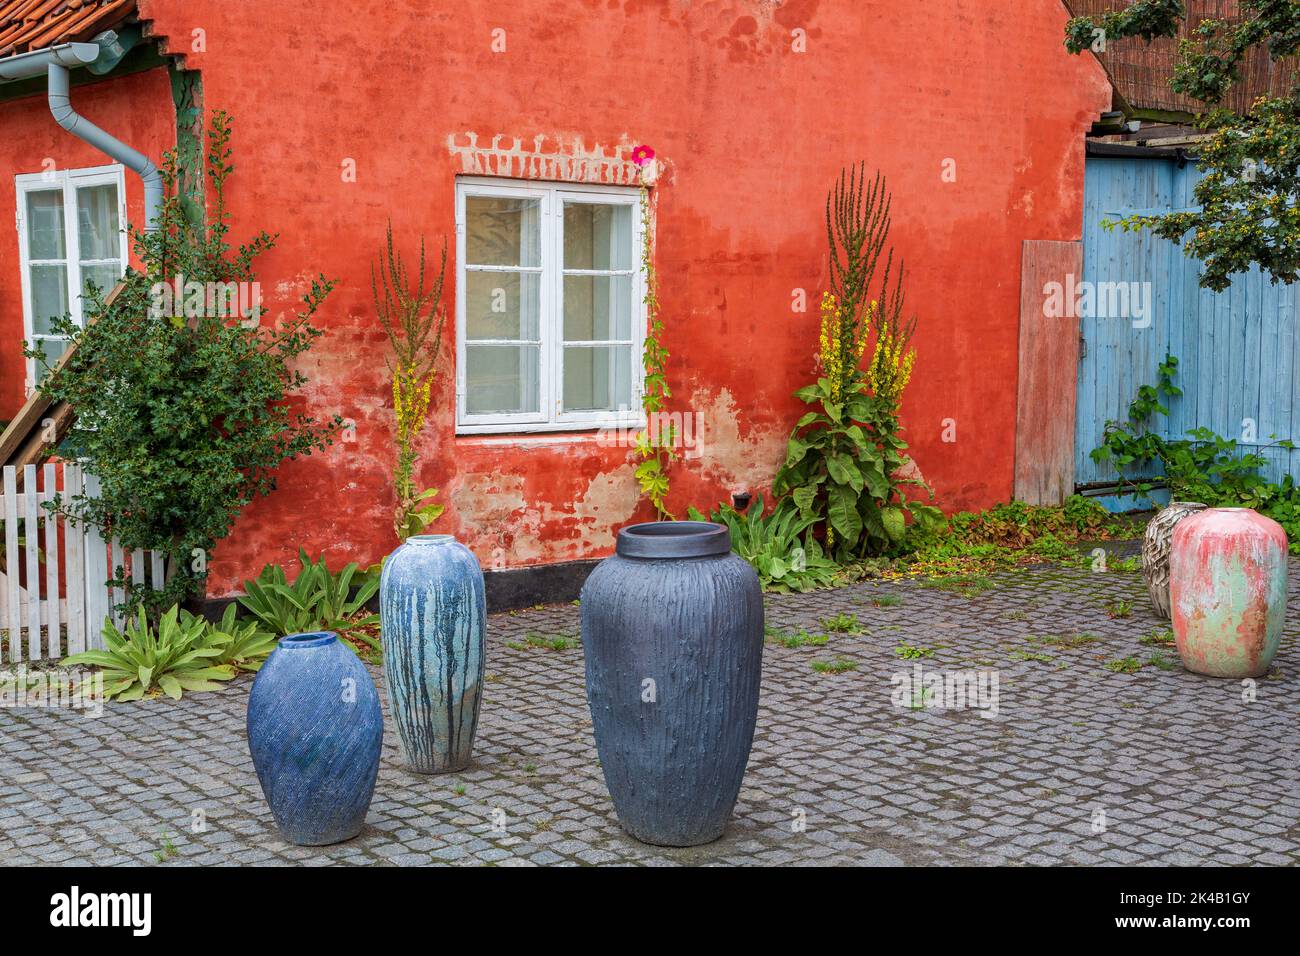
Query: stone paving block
x=1184, y=770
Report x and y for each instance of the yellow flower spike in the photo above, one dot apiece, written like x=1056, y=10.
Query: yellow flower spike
x=830, y=338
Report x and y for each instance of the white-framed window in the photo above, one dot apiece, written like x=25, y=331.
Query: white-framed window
x=71, y=231
x=550, y=311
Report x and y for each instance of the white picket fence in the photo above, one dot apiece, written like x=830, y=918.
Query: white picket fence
x=54, y=595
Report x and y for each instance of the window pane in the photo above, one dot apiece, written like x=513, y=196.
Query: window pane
x=597, y=378
x=49, y=296
x=597, y=307
x=502, y=305
x=597, y=236
x=501, y=378
x=45, y=224
x=51, y=349
x=97, y=222
x=104, y=276
x=502, y=231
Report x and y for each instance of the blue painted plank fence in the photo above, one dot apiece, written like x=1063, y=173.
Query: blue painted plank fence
x=1238, y=364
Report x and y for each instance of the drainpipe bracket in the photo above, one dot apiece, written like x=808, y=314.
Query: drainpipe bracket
x=113, y=47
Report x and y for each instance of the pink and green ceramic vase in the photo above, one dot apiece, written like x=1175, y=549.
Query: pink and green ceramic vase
x=1227, y=590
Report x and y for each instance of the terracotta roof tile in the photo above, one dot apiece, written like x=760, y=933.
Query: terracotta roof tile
x=35, y=24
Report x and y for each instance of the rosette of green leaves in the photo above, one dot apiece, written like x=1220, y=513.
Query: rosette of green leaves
x=317, y=600
x=249, y=645
x=182, y=654
x=785, y=557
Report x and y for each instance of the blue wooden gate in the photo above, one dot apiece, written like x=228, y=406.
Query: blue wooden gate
x=1239, y=368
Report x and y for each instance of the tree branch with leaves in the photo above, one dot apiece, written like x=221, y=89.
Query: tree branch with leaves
x=1248, y=201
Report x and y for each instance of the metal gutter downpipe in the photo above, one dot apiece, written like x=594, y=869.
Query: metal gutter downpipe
x=84, y=129
x=26, y=65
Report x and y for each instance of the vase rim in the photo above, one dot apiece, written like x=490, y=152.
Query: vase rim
x=308, y=639
x=424, y=540
x=673, y=539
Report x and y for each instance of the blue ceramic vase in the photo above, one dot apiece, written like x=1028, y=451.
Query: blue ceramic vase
x=672, y=631
x=315, y=730
x=432, y=613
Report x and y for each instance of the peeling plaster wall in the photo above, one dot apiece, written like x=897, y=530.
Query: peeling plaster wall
x=569, y=161
x=750, y=133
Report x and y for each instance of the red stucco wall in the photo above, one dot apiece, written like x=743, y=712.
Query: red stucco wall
x=751, y=133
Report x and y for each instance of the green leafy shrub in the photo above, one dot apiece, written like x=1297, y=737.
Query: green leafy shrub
x=1147, y=19
x=1011, y=534
x=1018, y=525
x=1203, y=467
x=184, y=418
x=772, y=544
x=182, y=653
x=317, y=600
x=841, y=469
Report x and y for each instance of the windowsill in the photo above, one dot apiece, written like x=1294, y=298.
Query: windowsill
x=612, y=434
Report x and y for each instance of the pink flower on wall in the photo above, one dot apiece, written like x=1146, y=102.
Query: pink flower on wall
x=642, y=154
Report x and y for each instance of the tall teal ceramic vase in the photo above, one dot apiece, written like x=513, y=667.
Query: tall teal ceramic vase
x=432, y=611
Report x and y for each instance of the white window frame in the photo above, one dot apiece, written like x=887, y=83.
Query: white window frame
x=68, y=180
x=550, y=416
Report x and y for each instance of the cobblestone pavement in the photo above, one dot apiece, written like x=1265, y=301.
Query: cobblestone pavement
x=1080, y=764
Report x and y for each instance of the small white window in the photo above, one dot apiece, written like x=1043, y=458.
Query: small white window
x=71, y=232
x=550, y=316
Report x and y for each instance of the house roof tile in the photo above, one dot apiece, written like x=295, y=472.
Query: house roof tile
x=35, y=24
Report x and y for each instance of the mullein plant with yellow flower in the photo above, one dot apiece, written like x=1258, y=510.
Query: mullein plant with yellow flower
x=412, y=317
x=842, y=345
x=893, y=356
x=843, y=455
x=414, y=511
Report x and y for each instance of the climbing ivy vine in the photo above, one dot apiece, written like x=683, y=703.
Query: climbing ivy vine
x=655, y=444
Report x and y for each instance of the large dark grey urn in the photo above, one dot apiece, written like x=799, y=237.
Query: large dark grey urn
x=672, y=630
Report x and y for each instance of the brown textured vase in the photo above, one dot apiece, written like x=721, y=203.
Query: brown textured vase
x=1156, y=544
